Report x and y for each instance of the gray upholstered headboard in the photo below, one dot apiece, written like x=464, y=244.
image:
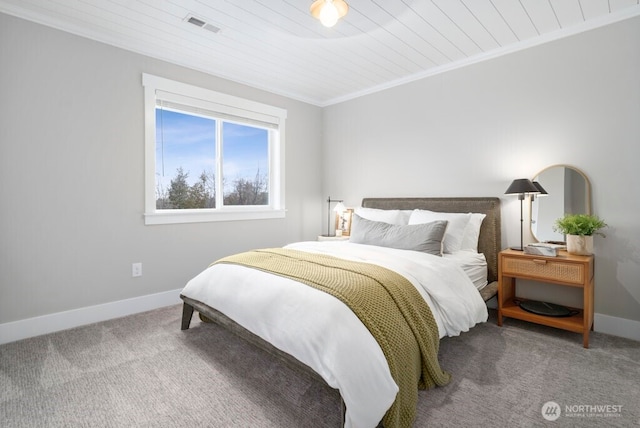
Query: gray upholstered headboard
x=490, y=239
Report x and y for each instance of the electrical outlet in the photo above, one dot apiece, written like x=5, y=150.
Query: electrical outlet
x=136, y=270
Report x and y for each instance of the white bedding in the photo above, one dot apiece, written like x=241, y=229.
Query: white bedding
x=474, y=264
x=322, y=332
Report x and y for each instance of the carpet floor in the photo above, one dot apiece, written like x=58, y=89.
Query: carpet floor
x=142, y=371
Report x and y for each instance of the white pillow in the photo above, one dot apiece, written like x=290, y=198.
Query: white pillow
x=399, y=217
x=472, y=232
x=453, y=236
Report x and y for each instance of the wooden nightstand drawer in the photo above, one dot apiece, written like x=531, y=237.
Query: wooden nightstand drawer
x=566, y=270
x=544, y=269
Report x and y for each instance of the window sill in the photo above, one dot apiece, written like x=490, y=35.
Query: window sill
x=200, y=216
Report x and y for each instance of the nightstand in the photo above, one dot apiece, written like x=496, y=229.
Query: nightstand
x=332, y=238
x=564, y=270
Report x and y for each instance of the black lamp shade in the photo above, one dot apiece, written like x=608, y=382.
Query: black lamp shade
x=540, y=188
x=522, y=185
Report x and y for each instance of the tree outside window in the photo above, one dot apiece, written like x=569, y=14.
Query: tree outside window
x=186, y=162
x=210, y=156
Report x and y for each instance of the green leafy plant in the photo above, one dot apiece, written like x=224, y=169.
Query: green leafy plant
x=580, y=224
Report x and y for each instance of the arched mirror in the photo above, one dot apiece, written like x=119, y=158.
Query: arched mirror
x=568, y=192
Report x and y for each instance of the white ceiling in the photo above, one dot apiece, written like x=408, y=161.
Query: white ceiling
x=276, y=45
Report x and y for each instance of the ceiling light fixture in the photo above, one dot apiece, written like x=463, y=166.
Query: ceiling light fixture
x=329, y=11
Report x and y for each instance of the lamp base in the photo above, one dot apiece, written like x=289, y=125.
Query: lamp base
x=517, y=248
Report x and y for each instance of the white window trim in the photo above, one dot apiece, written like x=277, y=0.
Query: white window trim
x=276, y=207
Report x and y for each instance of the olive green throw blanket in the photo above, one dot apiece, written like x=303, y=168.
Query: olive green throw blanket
x=386, y=303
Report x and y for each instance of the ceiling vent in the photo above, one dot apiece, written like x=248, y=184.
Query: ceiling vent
x=201, y=23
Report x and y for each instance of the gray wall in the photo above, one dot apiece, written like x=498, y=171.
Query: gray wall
x=71, y=160
x=472, y=130
x=72, y=177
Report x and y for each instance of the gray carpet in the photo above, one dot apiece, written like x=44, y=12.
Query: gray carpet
x=142, y=371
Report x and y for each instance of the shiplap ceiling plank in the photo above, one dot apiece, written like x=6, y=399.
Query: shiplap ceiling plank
x=486, y=13
x=263, y=49
x=423, y=29
x=593, y=9
x=406, y=41
x=517, y=18
x=621, y=4
x=568, y=12
x=172, y=35
x=542, y=15
x=387, y=43
x=459, y=13
x=445, y=26
x=278, y=46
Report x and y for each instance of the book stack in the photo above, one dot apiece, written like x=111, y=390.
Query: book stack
x=544, y=249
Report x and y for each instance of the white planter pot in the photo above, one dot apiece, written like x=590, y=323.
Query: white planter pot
x=580, y=244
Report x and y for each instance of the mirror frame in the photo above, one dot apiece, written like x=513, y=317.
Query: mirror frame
x=587, y=187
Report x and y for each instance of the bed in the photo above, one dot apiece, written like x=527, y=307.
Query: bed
x=349, y=359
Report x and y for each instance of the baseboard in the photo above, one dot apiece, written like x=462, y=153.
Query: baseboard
x=615, y=326
x=31, y=327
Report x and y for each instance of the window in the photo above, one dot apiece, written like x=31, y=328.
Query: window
x=210, y=156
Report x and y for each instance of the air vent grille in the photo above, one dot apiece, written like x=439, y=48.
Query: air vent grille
x=201, y=23
x=211, y=28
x=195, y=21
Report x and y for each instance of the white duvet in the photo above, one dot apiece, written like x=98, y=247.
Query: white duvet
x=322, y=332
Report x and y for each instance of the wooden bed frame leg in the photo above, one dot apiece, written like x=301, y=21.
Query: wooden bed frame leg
x=187, y=313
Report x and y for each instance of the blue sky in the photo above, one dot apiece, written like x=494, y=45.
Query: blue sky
x=188, y=141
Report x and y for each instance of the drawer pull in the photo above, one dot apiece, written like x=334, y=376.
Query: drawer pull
x=540, y=262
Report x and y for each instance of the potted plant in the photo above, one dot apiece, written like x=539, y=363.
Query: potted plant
x=579, y=230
